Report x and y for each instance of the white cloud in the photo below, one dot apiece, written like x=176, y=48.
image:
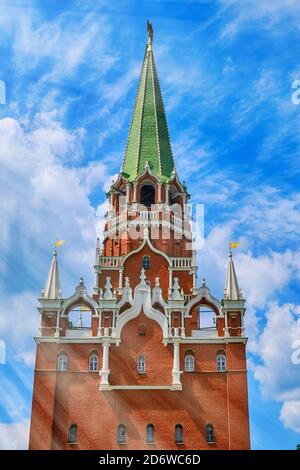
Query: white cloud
x=65, y=43
x=19, y=333
x=14, y=436
x=261, y=277
x=290, y=415
x=266, y=13
x=278, y=375
x=45, y=199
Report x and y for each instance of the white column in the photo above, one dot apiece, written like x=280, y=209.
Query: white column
x=226, y=332
x=176, y=384
x=159, y=193
x=121, y=269
x=170, y=281
x=100, y=323
x=167, y=193
x=57, y=329
x=113, y=323
x=242, y=324
x=182, y=324
x=127, y=193
x=104, y=373
x=134, y=192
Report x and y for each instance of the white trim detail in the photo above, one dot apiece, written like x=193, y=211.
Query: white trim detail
x=141, y=387
x=142, y=299
x=79, y=297
x=156, y=250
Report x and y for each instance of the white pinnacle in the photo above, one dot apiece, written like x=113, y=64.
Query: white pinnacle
x=52, y=288
x=232, y=290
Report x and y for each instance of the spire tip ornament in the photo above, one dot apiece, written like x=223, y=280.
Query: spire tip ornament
x=150, y=34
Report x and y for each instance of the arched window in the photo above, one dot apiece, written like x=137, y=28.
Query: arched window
x=93, y=362
x=80, y=319
x=206, y=318
x=146, y=262
x=150, y=434
x=121, y=434
x=147, y=195
x=221, y=362
x=62, y=362
x=189, y=362
x=178, y=434
x=210, y=433
x=72, y=435
x=141, y=365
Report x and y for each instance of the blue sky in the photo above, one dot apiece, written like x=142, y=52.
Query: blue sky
x=226, y=70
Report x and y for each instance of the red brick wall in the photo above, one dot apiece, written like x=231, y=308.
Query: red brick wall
x=63, y=398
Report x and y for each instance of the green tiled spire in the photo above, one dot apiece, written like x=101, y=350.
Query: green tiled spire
x=148, y=139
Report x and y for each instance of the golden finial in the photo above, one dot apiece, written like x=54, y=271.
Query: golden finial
x=150, y=33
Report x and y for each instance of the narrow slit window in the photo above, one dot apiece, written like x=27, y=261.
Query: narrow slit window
x=146, y=262
x=121, y=434
x=150, y=434
x=141, y=365
x=210, y=433
x=72, y=435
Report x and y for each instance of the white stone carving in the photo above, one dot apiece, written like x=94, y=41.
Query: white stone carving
x=176, y=291
x=126, y=294
x=157, y=294
x=108, y=293
x=142, y=300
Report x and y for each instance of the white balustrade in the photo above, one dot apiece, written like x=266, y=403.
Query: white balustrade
x=181, y=262
x=109, y=261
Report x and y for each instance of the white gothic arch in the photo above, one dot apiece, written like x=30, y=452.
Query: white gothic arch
x=204, y=293
x=142, y=299
x=156, y=250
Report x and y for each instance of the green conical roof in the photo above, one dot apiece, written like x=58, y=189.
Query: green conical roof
x=148, y=139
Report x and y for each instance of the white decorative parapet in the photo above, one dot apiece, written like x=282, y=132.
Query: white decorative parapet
x=79, y=333
x=176, y=332
x=109, y=261
x=181, y=262
x=205, y=333
x=106, y=332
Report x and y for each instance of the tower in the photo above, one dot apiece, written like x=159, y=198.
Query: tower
x=150, y=360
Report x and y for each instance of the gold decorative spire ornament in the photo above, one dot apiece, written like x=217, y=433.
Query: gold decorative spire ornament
x=150, y=34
